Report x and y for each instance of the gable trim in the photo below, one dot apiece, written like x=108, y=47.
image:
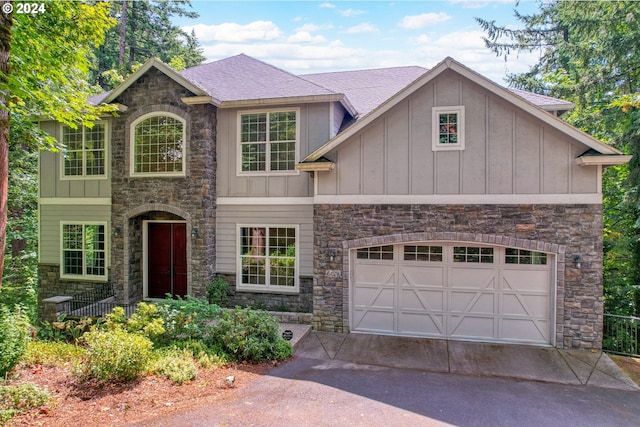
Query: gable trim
x=163, y=68
x=451, y=64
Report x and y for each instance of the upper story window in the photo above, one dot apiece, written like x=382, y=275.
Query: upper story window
x=268, y=142
x=85, y=154
x=158, y=145
x=448, y=128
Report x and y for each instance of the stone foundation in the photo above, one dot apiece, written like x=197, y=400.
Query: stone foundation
x=301, y=302
x=564, y=230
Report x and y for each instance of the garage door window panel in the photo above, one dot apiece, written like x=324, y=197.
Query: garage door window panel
x=423, y=253
x=472, y=254
x=521, y=256
x=376, y=252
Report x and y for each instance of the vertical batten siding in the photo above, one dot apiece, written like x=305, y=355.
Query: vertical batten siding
x=507, y=151
x=52, y=215
x=229, y=216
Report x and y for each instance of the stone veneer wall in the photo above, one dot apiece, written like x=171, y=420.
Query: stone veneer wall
x=565, y=230
x=190, y=198
x=301, y=302
x=50, y=285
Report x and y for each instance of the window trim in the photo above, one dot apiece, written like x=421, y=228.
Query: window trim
x=132, y=146
x=267, y=288
x=107, y=256
x=239, y=171
x=435, y=135
x=107, y=157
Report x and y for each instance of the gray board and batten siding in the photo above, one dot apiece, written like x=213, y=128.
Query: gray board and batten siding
x=507, y=150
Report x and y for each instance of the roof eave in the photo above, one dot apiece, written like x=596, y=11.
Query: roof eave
x=163, y=68
x=604, y=160
x=266, y=102
x=315, y=166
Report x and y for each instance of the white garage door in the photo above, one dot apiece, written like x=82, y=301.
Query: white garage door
x=453, y=290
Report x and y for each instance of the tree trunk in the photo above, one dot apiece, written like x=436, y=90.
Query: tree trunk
x=123, y=35
x=6, y=21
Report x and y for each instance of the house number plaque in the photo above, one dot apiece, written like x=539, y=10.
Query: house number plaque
x=287, y=335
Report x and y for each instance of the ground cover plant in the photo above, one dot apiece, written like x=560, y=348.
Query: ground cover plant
x=174, y=340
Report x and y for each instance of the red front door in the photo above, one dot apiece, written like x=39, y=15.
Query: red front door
x=167, y=259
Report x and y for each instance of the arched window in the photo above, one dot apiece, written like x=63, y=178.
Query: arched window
x=158, y=145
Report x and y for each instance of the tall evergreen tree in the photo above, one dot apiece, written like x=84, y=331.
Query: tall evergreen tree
x=589, y=55
x=145, y=30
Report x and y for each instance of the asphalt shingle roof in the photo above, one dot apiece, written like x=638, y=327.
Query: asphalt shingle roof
x=241, y=77
x=367, y=89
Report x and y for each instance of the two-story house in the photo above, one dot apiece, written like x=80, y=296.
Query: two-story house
x=404, y=201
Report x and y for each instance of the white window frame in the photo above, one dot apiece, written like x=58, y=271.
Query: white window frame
x=435, y=120
x=84, y=176
x=132, y=147
x=267, y=287
x=267, y=170
x=84, y=276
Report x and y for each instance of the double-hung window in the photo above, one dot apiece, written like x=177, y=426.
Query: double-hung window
x=448, y=128
x=158, y=145
x=84, y=251
x=85, y=154
x=267, y=258
x=268, y=142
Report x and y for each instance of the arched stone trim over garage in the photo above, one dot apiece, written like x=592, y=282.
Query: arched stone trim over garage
x=130, y=295
x=472, y=238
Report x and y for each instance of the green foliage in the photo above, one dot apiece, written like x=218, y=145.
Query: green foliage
x=21, y=398
x=217, y=290
x=251, y=335
x=589, y=56
x=205, y=356
x=116, y=355
x=149, y=33
x=188, y=318
x=66, y=328
x=145, y=321
x=14, y=337
x=53, y=353
x=176, y=364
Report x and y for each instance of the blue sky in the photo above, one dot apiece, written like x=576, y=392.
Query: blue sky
x=319, y=36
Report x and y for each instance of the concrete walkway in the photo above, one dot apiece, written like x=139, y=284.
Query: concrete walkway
x=573, y=367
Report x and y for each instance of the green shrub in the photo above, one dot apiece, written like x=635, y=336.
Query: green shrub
x=205, y=356
x=14, y=337
x=251, y=335
x=116, y=354
x=217, y=290
x=20, y=398
x=176, y=364
x=68, y=329
x=144, y=321
x=187, y=318
x=51, y=353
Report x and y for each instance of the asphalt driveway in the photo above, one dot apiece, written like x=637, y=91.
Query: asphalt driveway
x=315, y=390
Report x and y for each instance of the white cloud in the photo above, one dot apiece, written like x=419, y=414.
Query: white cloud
x=233, y=32
x=328, y=6
x=305, y=37
x=362, y=28
x=413, y=22
x=351, y=12
x=314, y=27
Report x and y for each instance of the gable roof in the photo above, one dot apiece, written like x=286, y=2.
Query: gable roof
x=151, y=63
x=507, y=95
x=367, y=89
x=241, y=78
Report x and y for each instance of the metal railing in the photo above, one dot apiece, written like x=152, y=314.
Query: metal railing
x=621, y=335
x=97, y=302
